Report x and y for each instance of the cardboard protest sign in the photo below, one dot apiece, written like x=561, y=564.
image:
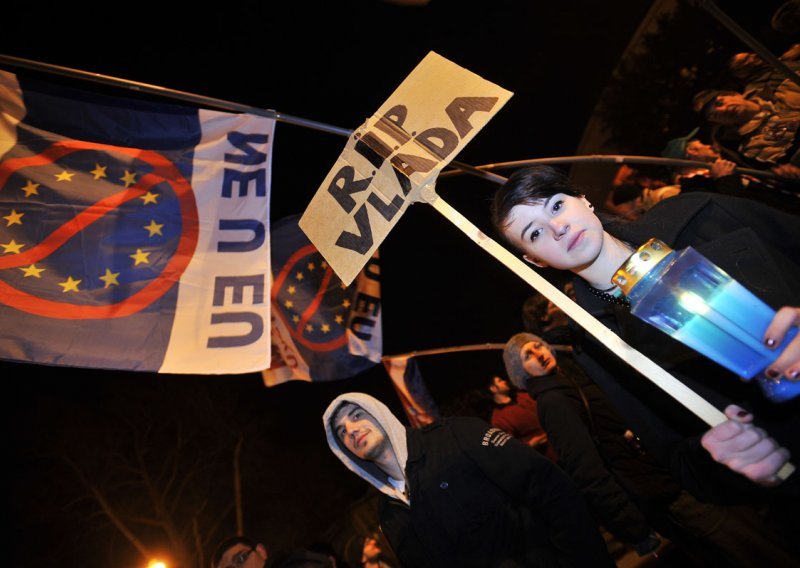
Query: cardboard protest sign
x=423, y=125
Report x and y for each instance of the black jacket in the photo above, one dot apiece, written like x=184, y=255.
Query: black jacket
x=481, y=498
x=589, y=438
x=757, y=245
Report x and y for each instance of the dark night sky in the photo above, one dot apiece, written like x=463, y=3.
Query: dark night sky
x=336, y=62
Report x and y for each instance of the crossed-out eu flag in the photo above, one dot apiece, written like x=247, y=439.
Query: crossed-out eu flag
x=322, y=330
x=133, y=235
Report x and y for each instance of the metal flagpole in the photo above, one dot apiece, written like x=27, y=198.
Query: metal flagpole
x=611, y=158
x=460, y=348
x=206, y=101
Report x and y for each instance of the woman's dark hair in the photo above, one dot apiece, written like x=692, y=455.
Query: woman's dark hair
x=528, y=186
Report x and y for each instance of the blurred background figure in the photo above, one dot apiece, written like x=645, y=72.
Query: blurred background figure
x=542, y=317
x=718, y=175
x=516, y=412
x=756, y=76
x=760, y=130
x=634, y=192
x=364, y=550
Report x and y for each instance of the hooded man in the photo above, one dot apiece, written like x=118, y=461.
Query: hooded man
x=462, y=493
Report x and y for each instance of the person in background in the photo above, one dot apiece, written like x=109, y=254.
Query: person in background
x=364, y=550
x=758, y=77
x=632, y=192
x=460, y=492
x=239, y=552
x=516, y=413
x=244, y=552
x=758, y=131
x=588, y=437
x=717, y=175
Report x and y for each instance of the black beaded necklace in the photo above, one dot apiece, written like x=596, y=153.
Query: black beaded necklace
x=620, y=300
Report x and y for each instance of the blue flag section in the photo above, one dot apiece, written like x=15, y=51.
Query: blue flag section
x=133, y=235
x=322, y=330
x=411, y=389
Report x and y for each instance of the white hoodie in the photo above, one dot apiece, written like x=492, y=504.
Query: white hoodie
x=393, y=429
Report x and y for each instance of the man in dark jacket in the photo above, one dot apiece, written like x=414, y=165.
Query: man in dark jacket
x=462, y=493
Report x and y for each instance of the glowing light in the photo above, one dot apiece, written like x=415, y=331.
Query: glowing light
x=694, y=303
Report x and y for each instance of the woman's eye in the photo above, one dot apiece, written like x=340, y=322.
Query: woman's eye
x=535, y=233
x=557, y=205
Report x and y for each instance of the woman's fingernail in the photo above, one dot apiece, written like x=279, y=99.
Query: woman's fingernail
x=742, y=413
x=773, y=374
x=769, y=342
x=792, y=375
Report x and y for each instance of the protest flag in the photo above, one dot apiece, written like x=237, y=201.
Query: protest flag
x=322, y=330
x=133, y=234
x=411, y=389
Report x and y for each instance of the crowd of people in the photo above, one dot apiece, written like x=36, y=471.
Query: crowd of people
x=578, y=444
x=745, y=142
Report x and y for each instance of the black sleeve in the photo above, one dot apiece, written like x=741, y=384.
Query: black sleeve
x=579, y=457
x=523, y=472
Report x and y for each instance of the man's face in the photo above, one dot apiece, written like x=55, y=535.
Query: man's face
x=696, y=150
x=731, y=110
x=744, y=63
x=562, y=232
x=500, y=385
x=360, y=433
x=537, y=358
x=243, y=556
x=372, y=551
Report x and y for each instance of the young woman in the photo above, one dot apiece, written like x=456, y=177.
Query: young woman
x=555, y=226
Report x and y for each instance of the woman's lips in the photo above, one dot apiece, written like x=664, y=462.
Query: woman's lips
x=575, y=240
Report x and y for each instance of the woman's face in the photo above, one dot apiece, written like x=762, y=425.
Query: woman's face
x=562, y=232
x=537, y=358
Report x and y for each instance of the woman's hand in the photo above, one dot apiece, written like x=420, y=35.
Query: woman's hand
x=745, y=449
x=788, y=362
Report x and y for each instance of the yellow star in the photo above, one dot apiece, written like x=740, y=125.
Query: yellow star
x=11, y=247
x=339, y=319
x=149, y=197
x=346, y=303
x=30, y=189
x=14, y=218
x=291, y=290
x=295, y=318
x=342, y=285
x=323, y=264
x=154, y=228
x=110, y=278
x=64, y=176
x=289, y=304
x=325, y=328
x=309, y=328
x=140, y=257
x=311, y=266
x=32, y=271
x=128, y=179
x=70, y=285
x=299, y=276
x=99, y=171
